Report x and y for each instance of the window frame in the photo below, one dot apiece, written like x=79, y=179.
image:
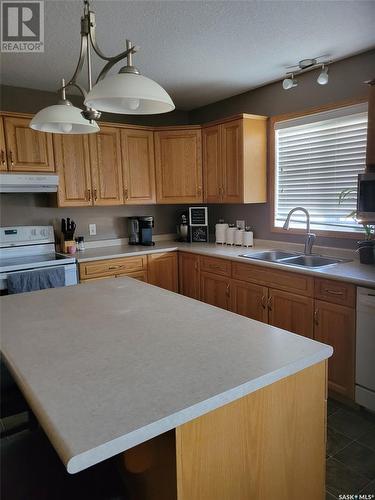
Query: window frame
x=272, y=167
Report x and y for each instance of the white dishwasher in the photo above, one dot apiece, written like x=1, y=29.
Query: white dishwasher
x=365, y=349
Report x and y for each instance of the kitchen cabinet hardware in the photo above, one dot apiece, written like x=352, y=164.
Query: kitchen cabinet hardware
x=89, y=195
x=126, y=193
x=263, y=301
x=95, y=194
x=11, y=158
x=316, y=317
x=227, y=291
x=334, y=292
x=269, y=303
x=3, y=157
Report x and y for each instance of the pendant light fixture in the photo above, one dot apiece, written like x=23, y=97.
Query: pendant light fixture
x=323, y=76
x=128, y=92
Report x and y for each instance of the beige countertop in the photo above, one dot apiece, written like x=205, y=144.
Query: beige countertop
x=110, y=364
x=352, y=272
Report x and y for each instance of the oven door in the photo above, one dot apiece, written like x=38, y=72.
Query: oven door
x=70, y=276
x=366, y=198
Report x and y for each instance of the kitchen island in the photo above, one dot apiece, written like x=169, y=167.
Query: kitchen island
x=199, y=402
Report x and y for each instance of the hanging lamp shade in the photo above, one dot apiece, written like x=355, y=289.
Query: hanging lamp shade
x=130, y=94
x=63, y=118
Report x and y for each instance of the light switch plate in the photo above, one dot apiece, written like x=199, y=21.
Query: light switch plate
x=92, y=229
x=240, y=224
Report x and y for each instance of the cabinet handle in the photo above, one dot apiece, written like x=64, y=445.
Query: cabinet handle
x=227, y=291
x=264, y=301
x=11, y=158
x=95, y=194
x=269, y=303
x=126, y=193
x=316, y=317
x=89, y=195
x=199, y=190
x=196, y=267
x=333, y=292
x=2, y=157
x=112, y=268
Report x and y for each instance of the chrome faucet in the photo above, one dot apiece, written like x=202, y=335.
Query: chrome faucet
x=310, y=237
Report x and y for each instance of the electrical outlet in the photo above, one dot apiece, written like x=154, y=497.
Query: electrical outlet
x=240, y=224
x=92, y=229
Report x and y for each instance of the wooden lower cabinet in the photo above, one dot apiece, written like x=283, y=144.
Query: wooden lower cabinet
x=291, y=312
x=163, y=271
x=188, y=275
x=335, y=325
x=215, y=290
x=249, y=300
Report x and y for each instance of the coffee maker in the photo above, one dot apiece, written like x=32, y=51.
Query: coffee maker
x=140, y=230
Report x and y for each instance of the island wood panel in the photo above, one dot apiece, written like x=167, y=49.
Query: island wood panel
x=106, y=167
x=163, y=270
x=215, y=265
x=138, y=166
x=249, y=300
x=188, y=275
x=335, y=291
x=283, y=280
x=3, y=154
x=215, y=290
x=112, y=267
x=291, y=312
x=178, y=158
x=28, y=150
x=335, y=326
x=73, y=167
x=212, y=168
x=269, y=444
x=232, y=162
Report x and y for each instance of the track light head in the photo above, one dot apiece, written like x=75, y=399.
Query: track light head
x=323, y=76
x=289, y=83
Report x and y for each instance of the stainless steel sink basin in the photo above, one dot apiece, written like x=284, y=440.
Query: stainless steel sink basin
x=294, y=259
x=271, y=255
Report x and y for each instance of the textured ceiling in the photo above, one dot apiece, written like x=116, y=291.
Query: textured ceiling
x=200, y=51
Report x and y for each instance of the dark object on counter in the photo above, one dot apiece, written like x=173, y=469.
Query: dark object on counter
x=183, y=228
x=67, y=228
x=80, y=242
x=366, y=250
x=140, y=230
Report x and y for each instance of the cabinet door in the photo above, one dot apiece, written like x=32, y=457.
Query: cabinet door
x=162, y=270
x=215, y=290
x=28, y=150
x=105, y=155
x=178, y=166
x=249, y=300
x=335, y=325
x=73, y=167
x=212, y=171
x=138, y=166
x=188, y=274
x=291, y=312
x=232, y=161
x=3, y=156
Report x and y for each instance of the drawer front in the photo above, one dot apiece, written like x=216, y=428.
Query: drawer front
x=216, y=266
x=281, y=280
x=335, y=291
x=112, y=267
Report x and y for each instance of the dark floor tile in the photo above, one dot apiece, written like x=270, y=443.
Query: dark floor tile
x=368, y=438
x=351, y=423
x=333, y=406
x=369, y=489
x=336, y=441
x=342, y=480
x=359, y=458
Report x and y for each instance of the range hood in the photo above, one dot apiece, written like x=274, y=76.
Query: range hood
x=28, y=183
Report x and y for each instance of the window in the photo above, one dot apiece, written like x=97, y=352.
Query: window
x=316, y=157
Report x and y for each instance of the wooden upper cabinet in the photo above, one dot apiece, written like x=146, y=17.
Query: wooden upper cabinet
x=3, y=155
x=106, y=168
x=163, y=270
x=335, y=325
x=249, y=300
x=212, y=169
x=234, y=160
x=178, y=166
x=73, y=167
x=138, y=166
x=27, y=150
x=215, y=290
x=188, y=274
x=291, y=312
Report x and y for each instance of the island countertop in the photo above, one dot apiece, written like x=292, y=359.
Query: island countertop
x=108, y=365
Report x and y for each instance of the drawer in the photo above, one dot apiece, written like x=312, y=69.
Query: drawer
x=216, y=266
x=112, y=267
x=281, y=280
x=335, y=291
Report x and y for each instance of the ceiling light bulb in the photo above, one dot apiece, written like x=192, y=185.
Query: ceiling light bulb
x=289, y=83
x=131, y=103
x=66, y=127
x=323, y=76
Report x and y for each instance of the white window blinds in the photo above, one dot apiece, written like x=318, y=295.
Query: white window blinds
x=318, y=156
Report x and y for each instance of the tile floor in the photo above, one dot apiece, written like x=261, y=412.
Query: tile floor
x=350, y=452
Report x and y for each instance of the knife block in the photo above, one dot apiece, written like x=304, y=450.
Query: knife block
x=65, y=243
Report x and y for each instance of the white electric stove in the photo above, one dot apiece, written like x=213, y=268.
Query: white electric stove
x=31, y=248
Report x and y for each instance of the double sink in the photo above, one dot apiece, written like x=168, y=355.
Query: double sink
x=294, y=258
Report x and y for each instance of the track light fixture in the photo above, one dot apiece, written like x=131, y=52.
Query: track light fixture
x=302, y=67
